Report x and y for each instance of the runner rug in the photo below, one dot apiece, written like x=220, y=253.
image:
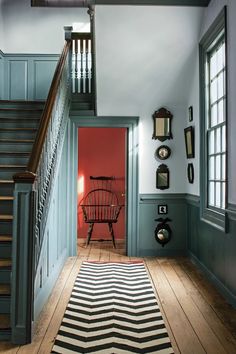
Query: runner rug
x=112, y=310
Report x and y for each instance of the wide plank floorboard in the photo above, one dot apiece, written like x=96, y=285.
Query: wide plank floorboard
x=197, y=317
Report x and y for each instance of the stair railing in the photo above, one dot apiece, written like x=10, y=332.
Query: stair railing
x=82, y=75
x=32, y=195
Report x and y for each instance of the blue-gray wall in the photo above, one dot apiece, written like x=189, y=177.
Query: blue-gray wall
x=57, y=237
x=148, y=212
x=1, y=74
x=26, y=76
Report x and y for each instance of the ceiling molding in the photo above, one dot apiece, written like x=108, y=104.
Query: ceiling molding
x=87, y=3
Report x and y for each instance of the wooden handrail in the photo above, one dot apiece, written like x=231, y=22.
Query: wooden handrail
x=81, y=35
x=30, y=174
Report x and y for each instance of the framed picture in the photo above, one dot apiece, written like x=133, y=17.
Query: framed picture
x=162, y=209
x=189, y=141
x=190, y=173
x=190, y=113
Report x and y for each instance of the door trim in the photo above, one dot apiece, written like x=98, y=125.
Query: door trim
x=131, y=123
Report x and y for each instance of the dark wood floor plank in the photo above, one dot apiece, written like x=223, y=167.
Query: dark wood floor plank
x=223, y=334
x=181, y=327
x=209, y=340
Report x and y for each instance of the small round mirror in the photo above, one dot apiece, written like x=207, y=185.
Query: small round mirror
x=163, y=152
x=163, y=234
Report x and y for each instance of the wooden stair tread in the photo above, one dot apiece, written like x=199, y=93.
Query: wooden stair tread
x=5, y=289
x=19, y=119
x=5, y=321
x=17, y=129
x=6, y=198
x=6, y=181
x=17, y=153
x=5, y=238
x=5, y=263
x=16, y=140
x=12, y=166
x=11, y=109
x=23, y=101
x=4, y=217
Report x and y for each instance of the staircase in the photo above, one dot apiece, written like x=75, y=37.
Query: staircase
x=19, y=121
x=82, y=104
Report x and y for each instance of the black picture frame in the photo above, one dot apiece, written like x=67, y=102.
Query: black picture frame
x=162, y=177
x=163, y=152
x=162, y=209
x=162, y=124
x=189, y=142
x=190, y=173
x=190, y=113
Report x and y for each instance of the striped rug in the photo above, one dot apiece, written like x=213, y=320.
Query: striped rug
x=112, y=309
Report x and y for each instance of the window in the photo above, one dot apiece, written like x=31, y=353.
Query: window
x=213, y=95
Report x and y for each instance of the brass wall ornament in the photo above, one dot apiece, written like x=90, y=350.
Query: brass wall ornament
x=162, y=124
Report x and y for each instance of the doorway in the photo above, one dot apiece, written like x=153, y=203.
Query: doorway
x=102, y=151
x=132, y=196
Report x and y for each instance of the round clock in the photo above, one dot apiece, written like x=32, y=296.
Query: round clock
x=163, y=152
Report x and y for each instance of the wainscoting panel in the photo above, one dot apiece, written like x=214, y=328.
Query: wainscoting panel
x=27, y=76
x=18, y=79
x=55, y=249
x=213, y=250
x=43, y=71
x=148, y=212
x=1, y=74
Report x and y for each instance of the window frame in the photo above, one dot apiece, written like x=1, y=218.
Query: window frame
x=210, y=214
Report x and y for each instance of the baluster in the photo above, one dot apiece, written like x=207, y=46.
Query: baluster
x=82, y=66
x=76, y=65
x=86, y=66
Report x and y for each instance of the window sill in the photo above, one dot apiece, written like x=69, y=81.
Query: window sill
x=215, y=219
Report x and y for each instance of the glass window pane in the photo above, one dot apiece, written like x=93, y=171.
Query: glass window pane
x=223, y=148
x=211, y=191
x=223, y=167
x=223, y=53
x=213, y=66
x=218, y=140
x=218, y=195
x=223, y=195
x=218, y=167
x=213, y=90
x=220, y=82
x=221, y=111
x=220, y=63
x=212, y=167
x=211, y=142
x=213, y=115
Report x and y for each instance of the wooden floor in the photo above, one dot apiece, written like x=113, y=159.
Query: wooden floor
x=197, y=317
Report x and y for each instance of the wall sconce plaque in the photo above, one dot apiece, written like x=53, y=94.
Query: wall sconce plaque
x=189, y=141
x=162, y=124
x=163, y=152
x=162, y=177
x=163, y=231
x=190, y=172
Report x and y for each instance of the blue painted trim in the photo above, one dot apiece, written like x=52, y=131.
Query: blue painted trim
x=1, y=75
x=228, y=295
x=131, y=123
x=215, y=218
x=144, y=198
x=45, y=292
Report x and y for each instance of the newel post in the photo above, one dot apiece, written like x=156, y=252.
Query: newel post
x=23, y=258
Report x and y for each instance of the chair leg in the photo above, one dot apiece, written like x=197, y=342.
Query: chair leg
x=112, y=233
x=89, y=235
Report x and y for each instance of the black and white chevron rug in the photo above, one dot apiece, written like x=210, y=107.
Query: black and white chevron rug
x=112, y=310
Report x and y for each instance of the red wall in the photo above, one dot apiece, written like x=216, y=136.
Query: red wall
x=101, y=152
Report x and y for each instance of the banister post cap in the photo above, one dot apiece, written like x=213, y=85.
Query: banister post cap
x=68, y=30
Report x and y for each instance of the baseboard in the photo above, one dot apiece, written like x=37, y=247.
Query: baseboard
x=161, y=253
x=225, y=292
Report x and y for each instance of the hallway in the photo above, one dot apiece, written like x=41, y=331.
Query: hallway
x=197, y=317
